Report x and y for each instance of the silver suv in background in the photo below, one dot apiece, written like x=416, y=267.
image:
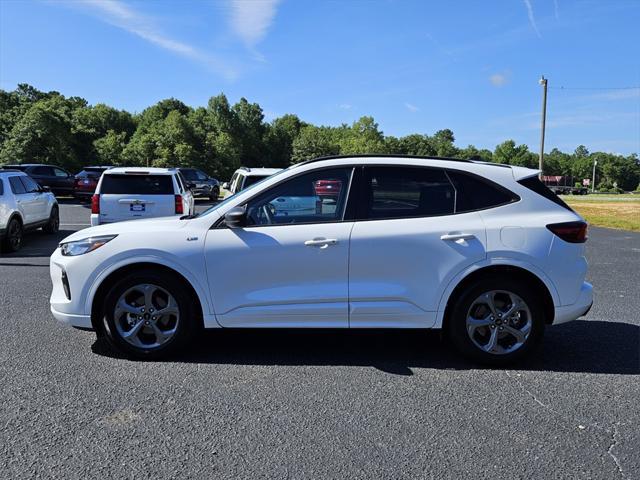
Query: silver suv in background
x=24, y=206
x=129, y=193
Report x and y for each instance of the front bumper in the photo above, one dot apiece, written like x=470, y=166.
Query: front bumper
x=583, y=304
x=79, y=321
x=67, y=305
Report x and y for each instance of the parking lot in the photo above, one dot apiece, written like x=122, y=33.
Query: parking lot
x=283, y=404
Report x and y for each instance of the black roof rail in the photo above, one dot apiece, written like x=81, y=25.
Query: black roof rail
x=474, y=159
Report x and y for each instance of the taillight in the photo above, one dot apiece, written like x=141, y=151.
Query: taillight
x=572, y=232
x=179, y=208
x=95, y=204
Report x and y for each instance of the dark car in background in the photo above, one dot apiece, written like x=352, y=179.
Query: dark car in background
x=59, y=181
x=201, y=184
x=86, y=181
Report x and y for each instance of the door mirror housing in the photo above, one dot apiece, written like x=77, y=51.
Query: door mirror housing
x=225, y=185
x=236, y=217
x=44, y=188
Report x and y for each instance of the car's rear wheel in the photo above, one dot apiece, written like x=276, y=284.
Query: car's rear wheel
x=53, y=225
x=496, y=321
x=148, y=315
x=215, y=193
x=13, y=237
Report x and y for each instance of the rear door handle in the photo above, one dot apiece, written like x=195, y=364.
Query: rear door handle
x=452, y=237
x=321, y=242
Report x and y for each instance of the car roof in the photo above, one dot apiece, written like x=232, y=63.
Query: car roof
x=249, y=172
x=12, y=171
x=139, y=171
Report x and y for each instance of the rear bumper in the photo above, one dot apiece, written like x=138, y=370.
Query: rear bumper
x=583, y=304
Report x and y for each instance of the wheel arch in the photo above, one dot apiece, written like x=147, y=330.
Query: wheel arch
x=112, y=277
x=511, y=271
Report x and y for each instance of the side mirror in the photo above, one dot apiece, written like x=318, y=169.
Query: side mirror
x=44, y=188
x=236, y=217
x=225, y=185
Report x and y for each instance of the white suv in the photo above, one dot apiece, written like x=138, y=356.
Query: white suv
x=483, y=251
x=129, y=193
x=24, y=206
x=245, y=177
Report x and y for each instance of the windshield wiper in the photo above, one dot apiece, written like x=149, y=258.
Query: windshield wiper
x=189, y=217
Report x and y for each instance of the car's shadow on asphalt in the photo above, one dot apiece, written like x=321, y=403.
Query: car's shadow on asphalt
x=37, y=244
x=580, y=346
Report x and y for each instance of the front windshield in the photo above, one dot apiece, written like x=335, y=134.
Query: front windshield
x=232, y=197
x=189, y=174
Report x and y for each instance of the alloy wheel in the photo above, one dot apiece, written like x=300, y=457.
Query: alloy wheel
x=499, y=322
x=146, y=316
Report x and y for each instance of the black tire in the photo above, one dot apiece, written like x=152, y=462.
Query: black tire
x=458, y=330
x=13, y=237
x=53, y=225
x=215, y=194
x=186, y=324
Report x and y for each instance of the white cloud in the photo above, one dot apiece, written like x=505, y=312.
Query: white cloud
x=345, y=106
x=411, y=107
x=121, y=15
x=532, y=19
x=499, y=79
x=251, y=19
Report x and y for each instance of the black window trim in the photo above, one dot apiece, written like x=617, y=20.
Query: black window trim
x=347, y=210
x=362, y=203
x=17, y=177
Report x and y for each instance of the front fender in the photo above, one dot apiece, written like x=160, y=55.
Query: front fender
x=112, y=264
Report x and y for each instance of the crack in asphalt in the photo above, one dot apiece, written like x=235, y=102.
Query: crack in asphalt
x=614, y=433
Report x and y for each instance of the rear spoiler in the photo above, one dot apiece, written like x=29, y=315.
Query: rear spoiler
x=520, y=173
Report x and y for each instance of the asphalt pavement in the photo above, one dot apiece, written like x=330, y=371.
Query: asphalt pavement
x=314, y=404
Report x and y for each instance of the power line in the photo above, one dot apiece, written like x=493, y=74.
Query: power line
x=596, y=88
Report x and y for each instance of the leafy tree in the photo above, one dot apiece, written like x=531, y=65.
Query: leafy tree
x=110, y=148
x=508, y=153
x=313, y=142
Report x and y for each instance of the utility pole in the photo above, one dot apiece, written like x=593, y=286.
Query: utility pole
x=543, y=82
x=593, y=177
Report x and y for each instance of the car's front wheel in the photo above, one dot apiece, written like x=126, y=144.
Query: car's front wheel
x=148, y=314
x=215, y=193
x=496, y=321
x=53, y=225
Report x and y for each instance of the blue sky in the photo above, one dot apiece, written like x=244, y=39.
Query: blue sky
x=415, y=66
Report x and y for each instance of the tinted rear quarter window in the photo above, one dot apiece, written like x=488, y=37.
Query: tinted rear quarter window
x=17, y=187
x=477, y=193
x=405, y=192
x=44, y=171
x=137, y=185
x=534, y=184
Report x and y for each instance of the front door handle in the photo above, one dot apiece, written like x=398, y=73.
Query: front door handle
x=453, y=237
x=321, y=242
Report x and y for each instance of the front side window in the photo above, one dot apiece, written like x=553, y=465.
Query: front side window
x=201, y=175
x=29, y=185
x=137, y=185
x=304, y=199
x=17, y=187
x=60, y=173
x=406, y=192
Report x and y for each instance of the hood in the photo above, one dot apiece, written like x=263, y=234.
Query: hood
x=147, y=225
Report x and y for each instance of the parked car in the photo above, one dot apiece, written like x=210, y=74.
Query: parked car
x=201, y=184
x=129, y=193
x=245, y=177
x=86, y=181
x=24, y=206
x=59, y=181
x=483, y=251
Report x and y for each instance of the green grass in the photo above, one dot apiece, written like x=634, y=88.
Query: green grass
x=611, y=211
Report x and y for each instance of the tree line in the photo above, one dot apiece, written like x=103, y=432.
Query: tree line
x=47, y=127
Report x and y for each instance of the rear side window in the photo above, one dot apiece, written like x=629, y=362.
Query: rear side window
x=477, y=193
x=137, y=184
x=44, y=171
x=534, y=183
x=252, y=179
x=17, y=187
x=405, y=192
x=1, y=187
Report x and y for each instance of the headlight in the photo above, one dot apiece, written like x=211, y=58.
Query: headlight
x=86, y=245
